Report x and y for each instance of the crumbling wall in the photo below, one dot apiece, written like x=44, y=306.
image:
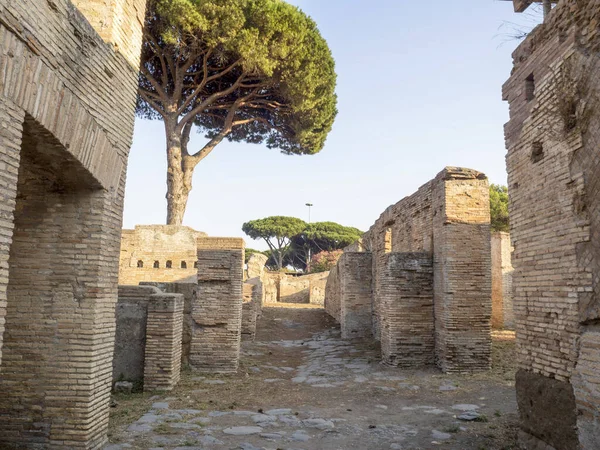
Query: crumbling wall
x=502, y=271
x=158, y=253
x=67, y=101
x=553, y=166
x=448, y=219
x=217, y=315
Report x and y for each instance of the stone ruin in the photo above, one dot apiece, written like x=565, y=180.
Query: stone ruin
x=68, y=83
x=279, y=287
x=419, y=279
x=159, y=253
x=553, y=163
x=202, y=318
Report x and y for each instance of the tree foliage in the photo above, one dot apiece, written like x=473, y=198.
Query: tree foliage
x=324, y=261
x=244, y=70
x=277, y=232
x=319, y=237
x=499, y=208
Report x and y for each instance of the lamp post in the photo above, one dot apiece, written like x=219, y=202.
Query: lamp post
x=309, y=255
x=309, y=205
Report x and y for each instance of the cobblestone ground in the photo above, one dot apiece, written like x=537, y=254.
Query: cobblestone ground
x=302, y=387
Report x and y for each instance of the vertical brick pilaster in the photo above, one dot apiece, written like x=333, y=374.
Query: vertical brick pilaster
x=11, y=131
x=162, y=366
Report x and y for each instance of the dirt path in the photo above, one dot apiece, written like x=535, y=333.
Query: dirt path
x=301, y=387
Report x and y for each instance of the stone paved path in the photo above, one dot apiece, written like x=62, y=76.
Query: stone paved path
x=301, y=387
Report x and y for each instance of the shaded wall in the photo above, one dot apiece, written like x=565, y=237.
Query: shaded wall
x=553, y=171
x=67, y=102
x=502, y=272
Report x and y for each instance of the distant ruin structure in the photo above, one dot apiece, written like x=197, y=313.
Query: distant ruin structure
x=420, y=279
x=553, y=163
x=68, y=84
x=159, y=253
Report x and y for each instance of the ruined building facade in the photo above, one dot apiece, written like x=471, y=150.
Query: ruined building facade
x=420, y=279
x=68, y=80
x=553, y=163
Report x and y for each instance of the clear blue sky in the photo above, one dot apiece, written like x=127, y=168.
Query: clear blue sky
x=419, y=87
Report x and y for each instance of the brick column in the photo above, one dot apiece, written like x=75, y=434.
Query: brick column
x=406, y=295
x=462, y=270
x=356, y=295
x=11, y=131
x=217, y=313
x=162, y=367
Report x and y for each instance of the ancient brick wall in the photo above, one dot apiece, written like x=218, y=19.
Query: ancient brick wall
x=355, y=294
x=407, y=326
x=502, y=271
x=67, y=100
x=148, y=341
x=217, y=315
x=158, y=253
x=131, y=316
x=162, y=365
x=553, y=171
x=448, y=219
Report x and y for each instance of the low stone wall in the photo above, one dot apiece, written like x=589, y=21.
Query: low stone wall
x=190, y=296
x=284, y=288
x=148, y=337
x=502, y=272
x=217, y=315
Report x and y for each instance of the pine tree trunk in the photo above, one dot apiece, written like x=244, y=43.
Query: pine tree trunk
x=178, y=179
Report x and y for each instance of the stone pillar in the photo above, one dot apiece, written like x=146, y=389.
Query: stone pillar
x=502, y=299
x=356, y=295
x=162, y=366
x=217, y=314
x=462, y=270
x=407, y=324
x=11, y=131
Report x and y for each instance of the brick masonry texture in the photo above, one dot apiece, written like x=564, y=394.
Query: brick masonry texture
x=148, y=343
x=355, y=294
x=159, y=253
x=407, y=331
x=448, y=220
x=67, y=96
x=502, y=271
x=217, y=315
x=162, y=366
x=130, y=338
x=554, y=183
